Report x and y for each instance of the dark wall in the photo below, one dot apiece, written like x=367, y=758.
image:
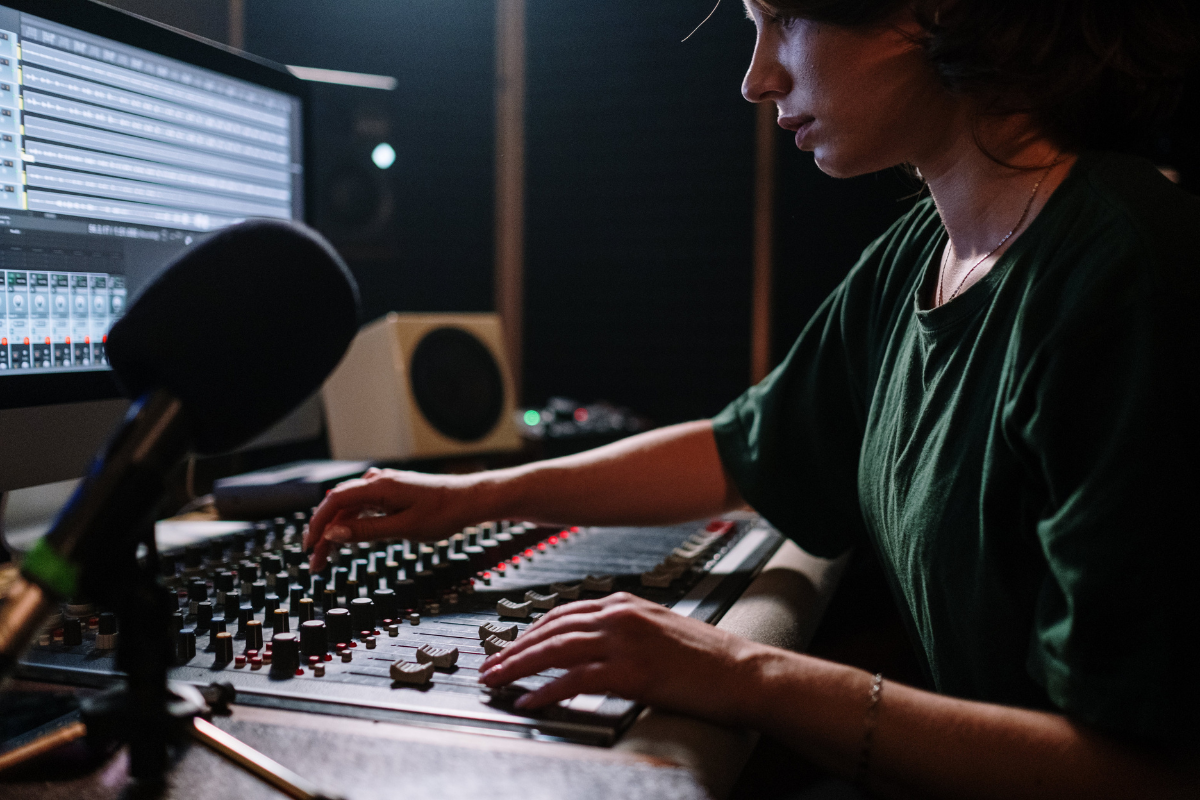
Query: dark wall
x=423, y=240
x=640, y=178
x=207, y=18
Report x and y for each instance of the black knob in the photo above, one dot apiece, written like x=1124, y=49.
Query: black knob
x=385, y=604
x=108, y=623
x=244, y=615
x=72, y=632
x=295, y=595
x=304, y=609
x=272, y=564
x=231, y=600
x=293, y=556
x=215, y=627
x=340, y=576
x=237, y=543
x=176, y=624
x=223, y=581
x=282, y=579
x=391, y=571
x=313, y=641
x=216, y=550
x=247, y=572
x=197, y=591
x=279, y=621
x=351, y=591
x=185, y=645
x=285, y=655
x=193, y=556
x=204, y=615
x=270, y=603
x=317, y=587
x=362, y=614
x=261, y=531
x=254, y=635
x=359, y=569
x=168, y=566
x=304, y=576
x=329, y=599
x=258, y=594
x=339, y=625
x=406, y=594
x=223, y=647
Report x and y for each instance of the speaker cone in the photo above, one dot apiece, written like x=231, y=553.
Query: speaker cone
x=457, y=384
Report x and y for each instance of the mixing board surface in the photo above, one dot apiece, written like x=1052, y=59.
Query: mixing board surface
x=396, y=631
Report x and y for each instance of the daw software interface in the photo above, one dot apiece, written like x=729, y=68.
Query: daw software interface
x=112, y=161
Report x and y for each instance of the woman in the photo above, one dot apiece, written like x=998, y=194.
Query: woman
x=1000, y=398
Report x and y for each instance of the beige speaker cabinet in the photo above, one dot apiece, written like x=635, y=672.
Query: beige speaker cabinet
x=372, y=410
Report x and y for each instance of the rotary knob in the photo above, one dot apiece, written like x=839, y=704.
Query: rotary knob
x=313, y=641
x=285, y=655
x=254, y=635
x=279, y=621
x=339, y=625
x=106, y=633
x=223, y=647
x=385, y=603
x=204, y=615
x=362, y=614
x=304, y=610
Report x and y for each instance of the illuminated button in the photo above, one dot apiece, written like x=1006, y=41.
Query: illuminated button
x=542, y=602
x=493, y=645
x=597, y=583
x=441, y=657
x=411, y=673
x=499, y=630
x=565, y=591
x=507, y=608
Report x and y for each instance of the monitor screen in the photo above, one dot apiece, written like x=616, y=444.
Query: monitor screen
x=122, y=143
x=112, y=160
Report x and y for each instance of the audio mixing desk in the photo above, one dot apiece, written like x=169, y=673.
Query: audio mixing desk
x=396, y=631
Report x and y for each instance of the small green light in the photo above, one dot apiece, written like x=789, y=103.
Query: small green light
x=532, y=417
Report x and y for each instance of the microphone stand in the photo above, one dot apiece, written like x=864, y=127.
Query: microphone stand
x=102, y=531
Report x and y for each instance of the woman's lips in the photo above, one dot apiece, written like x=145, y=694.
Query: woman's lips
x=798, y=125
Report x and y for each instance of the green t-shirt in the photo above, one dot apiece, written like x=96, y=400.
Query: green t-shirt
x=1022, y=458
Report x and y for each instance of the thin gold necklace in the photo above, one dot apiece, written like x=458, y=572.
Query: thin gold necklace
x=992, y=252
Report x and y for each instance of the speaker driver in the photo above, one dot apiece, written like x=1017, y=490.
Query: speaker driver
x=457, y=384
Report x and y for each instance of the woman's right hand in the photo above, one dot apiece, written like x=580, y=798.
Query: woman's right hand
x=390, y=504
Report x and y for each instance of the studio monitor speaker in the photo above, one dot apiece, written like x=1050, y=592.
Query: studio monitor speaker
x=416, y=386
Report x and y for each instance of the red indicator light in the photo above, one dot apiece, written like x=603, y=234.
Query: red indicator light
x=47, y=340
x=329, y=656
x=574, y=529
x=564, y=534
x=487, y=576
x=87, y=340
x=299, y=670
x=501, y=567
x=104, y=338
x=4, y=342
x=529, y=553
x=516, y=559
x=554, y=539
x=542, y=547
x=581, y=415
x=68, y=340
x=26, y=340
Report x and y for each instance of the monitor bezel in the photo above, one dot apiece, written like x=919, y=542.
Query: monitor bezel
x=30, y=390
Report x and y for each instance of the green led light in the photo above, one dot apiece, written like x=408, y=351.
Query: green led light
x=532, y=417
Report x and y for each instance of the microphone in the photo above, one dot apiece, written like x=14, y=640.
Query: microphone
x=216, y=348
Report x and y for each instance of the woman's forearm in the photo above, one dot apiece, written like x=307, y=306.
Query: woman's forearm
x=667, y=475
x=930, y=745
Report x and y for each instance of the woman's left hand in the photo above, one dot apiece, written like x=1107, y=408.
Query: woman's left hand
x=635, y=649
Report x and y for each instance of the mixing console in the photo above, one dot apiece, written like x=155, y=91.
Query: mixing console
x=397, y=630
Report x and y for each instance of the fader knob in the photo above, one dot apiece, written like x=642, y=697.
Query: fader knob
x=338, y=625
x=313, y=641
x=285, y=655
x=385, y=603
x=185, y=645
x=72, y=632
x=406, y=594
x=244, y=615
x=279, y=621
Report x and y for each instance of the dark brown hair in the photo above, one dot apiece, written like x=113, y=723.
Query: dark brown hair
x=1091, y=74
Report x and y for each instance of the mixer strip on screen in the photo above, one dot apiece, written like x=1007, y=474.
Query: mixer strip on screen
x=396, y=631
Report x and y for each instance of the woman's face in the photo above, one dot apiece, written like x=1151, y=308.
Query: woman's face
x=860, y=100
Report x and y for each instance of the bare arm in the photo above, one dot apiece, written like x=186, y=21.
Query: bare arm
x=924, y=744
x=667, y=475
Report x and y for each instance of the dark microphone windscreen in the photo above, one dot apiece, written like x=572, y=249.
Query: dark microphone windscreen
x=241, y=328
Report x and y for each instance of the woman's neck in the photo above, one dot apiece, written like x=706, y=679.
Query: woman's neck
x=985, y=205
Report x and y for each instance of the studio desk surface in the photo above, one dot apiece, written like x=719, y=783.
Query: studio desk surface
x=661, y=755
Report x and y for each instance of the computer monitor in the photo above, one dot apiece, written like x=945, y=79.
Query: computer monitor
x=122, y=143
